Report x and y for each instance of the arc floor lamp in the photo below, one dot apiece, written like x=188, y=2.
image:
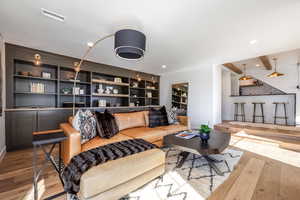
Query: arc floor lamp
x=129, y=44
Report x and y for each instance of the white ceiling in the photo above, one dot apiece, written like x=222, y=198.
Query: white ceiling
x=284, y=59
x=180, y=34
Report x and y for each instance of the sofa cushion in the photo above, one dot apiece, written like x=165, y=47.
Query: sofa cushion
x=146, y=133
x=106, y=124
x=85, y=122
x=130, y=120
x=158, y=117
x=113, y=173
x=97, y=141
x=131, y=185
x=175, y=128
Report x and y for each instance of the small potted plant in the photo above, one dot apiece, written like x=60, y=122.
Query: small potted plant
x=204, y=132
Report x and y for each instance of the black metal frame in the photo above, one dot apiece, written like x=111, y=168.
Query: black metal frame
x=210, y=160
x=37, y=172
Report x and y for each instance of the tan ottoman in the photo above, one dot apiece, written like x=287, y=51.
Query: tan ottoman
x=115, y=179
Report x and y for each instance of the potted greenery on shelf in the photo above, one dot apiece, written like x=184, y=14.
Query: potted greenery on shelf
x=204, y=132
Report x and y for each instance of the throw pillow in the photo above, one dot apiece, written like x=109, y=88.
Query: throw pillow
x=172, y=116
x=158, y=117
x=100, y=130
x=85, y=123
x=106, y=124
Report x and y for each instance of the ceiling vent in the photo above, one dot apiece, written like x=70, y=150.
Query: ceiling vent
x=53, y=15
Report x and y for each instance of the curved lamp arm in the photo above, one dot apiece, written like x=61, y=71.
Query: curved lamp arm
x=77, y=66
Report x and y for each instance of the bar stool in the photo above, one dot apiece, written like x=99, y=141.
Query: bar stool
x=262, y=116
x=236, y=111
x=280, y=117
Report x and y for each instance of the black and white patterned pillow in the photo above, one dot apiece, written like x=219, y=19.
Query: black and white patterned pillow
x=158, y=117
x=172, y=116
x=85, y=123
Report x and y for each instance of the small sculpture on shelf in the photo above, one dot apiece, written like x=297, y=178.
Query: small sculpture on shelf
x=66, y=90
x=135, y=84
x=100, y=89
x=108, y=90
x=115, y=91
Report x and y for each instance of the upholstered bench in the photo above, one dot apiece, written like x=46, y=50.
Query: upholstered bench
x=114, y=179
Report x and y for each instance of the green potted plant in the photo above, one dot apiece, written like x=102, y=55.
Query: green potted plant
x=204, y=132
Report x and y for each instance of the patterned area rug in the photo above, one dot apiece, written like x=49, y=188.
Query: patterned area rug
x=195, y=180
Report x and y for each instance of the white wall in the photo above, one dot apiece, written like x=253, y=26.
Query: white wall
x=204, y=92
x=2, y=121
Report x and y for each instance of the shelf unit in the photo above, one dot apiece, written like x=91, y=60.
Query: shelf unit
x=144, y=93
x=58, y=88
x=180, y=97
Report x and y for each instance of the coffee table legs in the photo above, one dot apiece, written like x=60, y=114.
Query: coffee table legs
x=184, y=156
x=211, y=162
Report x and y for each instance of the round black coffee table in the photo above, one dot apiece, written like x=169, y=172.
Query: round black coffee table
x=217, y=143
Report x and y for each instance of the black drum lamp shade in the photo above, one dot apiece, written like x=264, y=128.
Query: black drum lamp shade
x=130, y=44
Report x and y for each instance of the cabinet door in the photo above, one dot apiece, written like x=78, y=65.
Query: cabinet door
x=19, y=128
x=50, y=119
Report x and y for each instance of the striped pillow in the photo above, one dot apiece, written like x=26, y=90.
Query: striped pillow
x=158, y=117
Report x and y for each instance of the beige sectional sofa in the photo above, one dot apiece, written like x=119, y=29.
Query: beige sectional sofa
x=114, y=179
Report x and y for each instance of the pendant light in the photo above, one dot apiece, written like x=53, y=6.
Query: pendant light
x=245, y=77
x=275, y=73
x=37, y=59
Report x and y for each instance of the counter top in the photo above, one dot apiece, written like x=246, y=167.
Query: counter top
x=54, y=108
x=263, y=95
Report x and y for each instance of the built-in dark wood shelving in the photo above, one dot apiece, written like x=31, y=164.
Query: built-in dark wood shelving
x=62, y=79
x=33, y=77
x=77, y=95
x=111, y=95
x=179, y=97
x=36, y=93
x=77, y=82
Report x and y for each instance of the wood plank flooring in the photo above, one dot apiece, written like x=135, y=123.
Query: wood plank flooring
x=278, y=178
x=248, y=177
x=16, y=177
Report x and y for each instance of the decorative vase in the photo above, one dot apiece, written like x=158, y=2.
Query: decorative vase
x=204, y=136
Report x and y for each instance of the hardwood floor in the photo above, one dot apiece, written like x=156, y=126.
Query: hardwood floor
x=265, y=172
x=16, y=177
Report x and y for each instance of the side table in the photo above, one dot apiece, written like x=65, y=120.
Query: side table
x=40, y=139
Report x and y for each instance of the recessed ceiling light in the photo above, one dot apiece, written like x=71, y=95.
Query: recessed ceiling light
x=164, y=66
x=90, y=44
x=253, y=42
x=53, y=15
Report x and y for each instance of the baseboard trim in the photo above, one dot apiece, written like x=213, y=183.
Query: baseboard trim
x=2, y=153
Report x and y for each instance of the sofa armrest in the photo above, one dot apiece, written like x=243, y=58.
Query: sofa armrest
x=72, y=145
x=184, y=120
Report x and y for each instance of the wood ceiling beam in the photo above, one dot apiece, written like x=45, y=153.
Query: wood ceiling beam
x=232, y=67
x=266, y=62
